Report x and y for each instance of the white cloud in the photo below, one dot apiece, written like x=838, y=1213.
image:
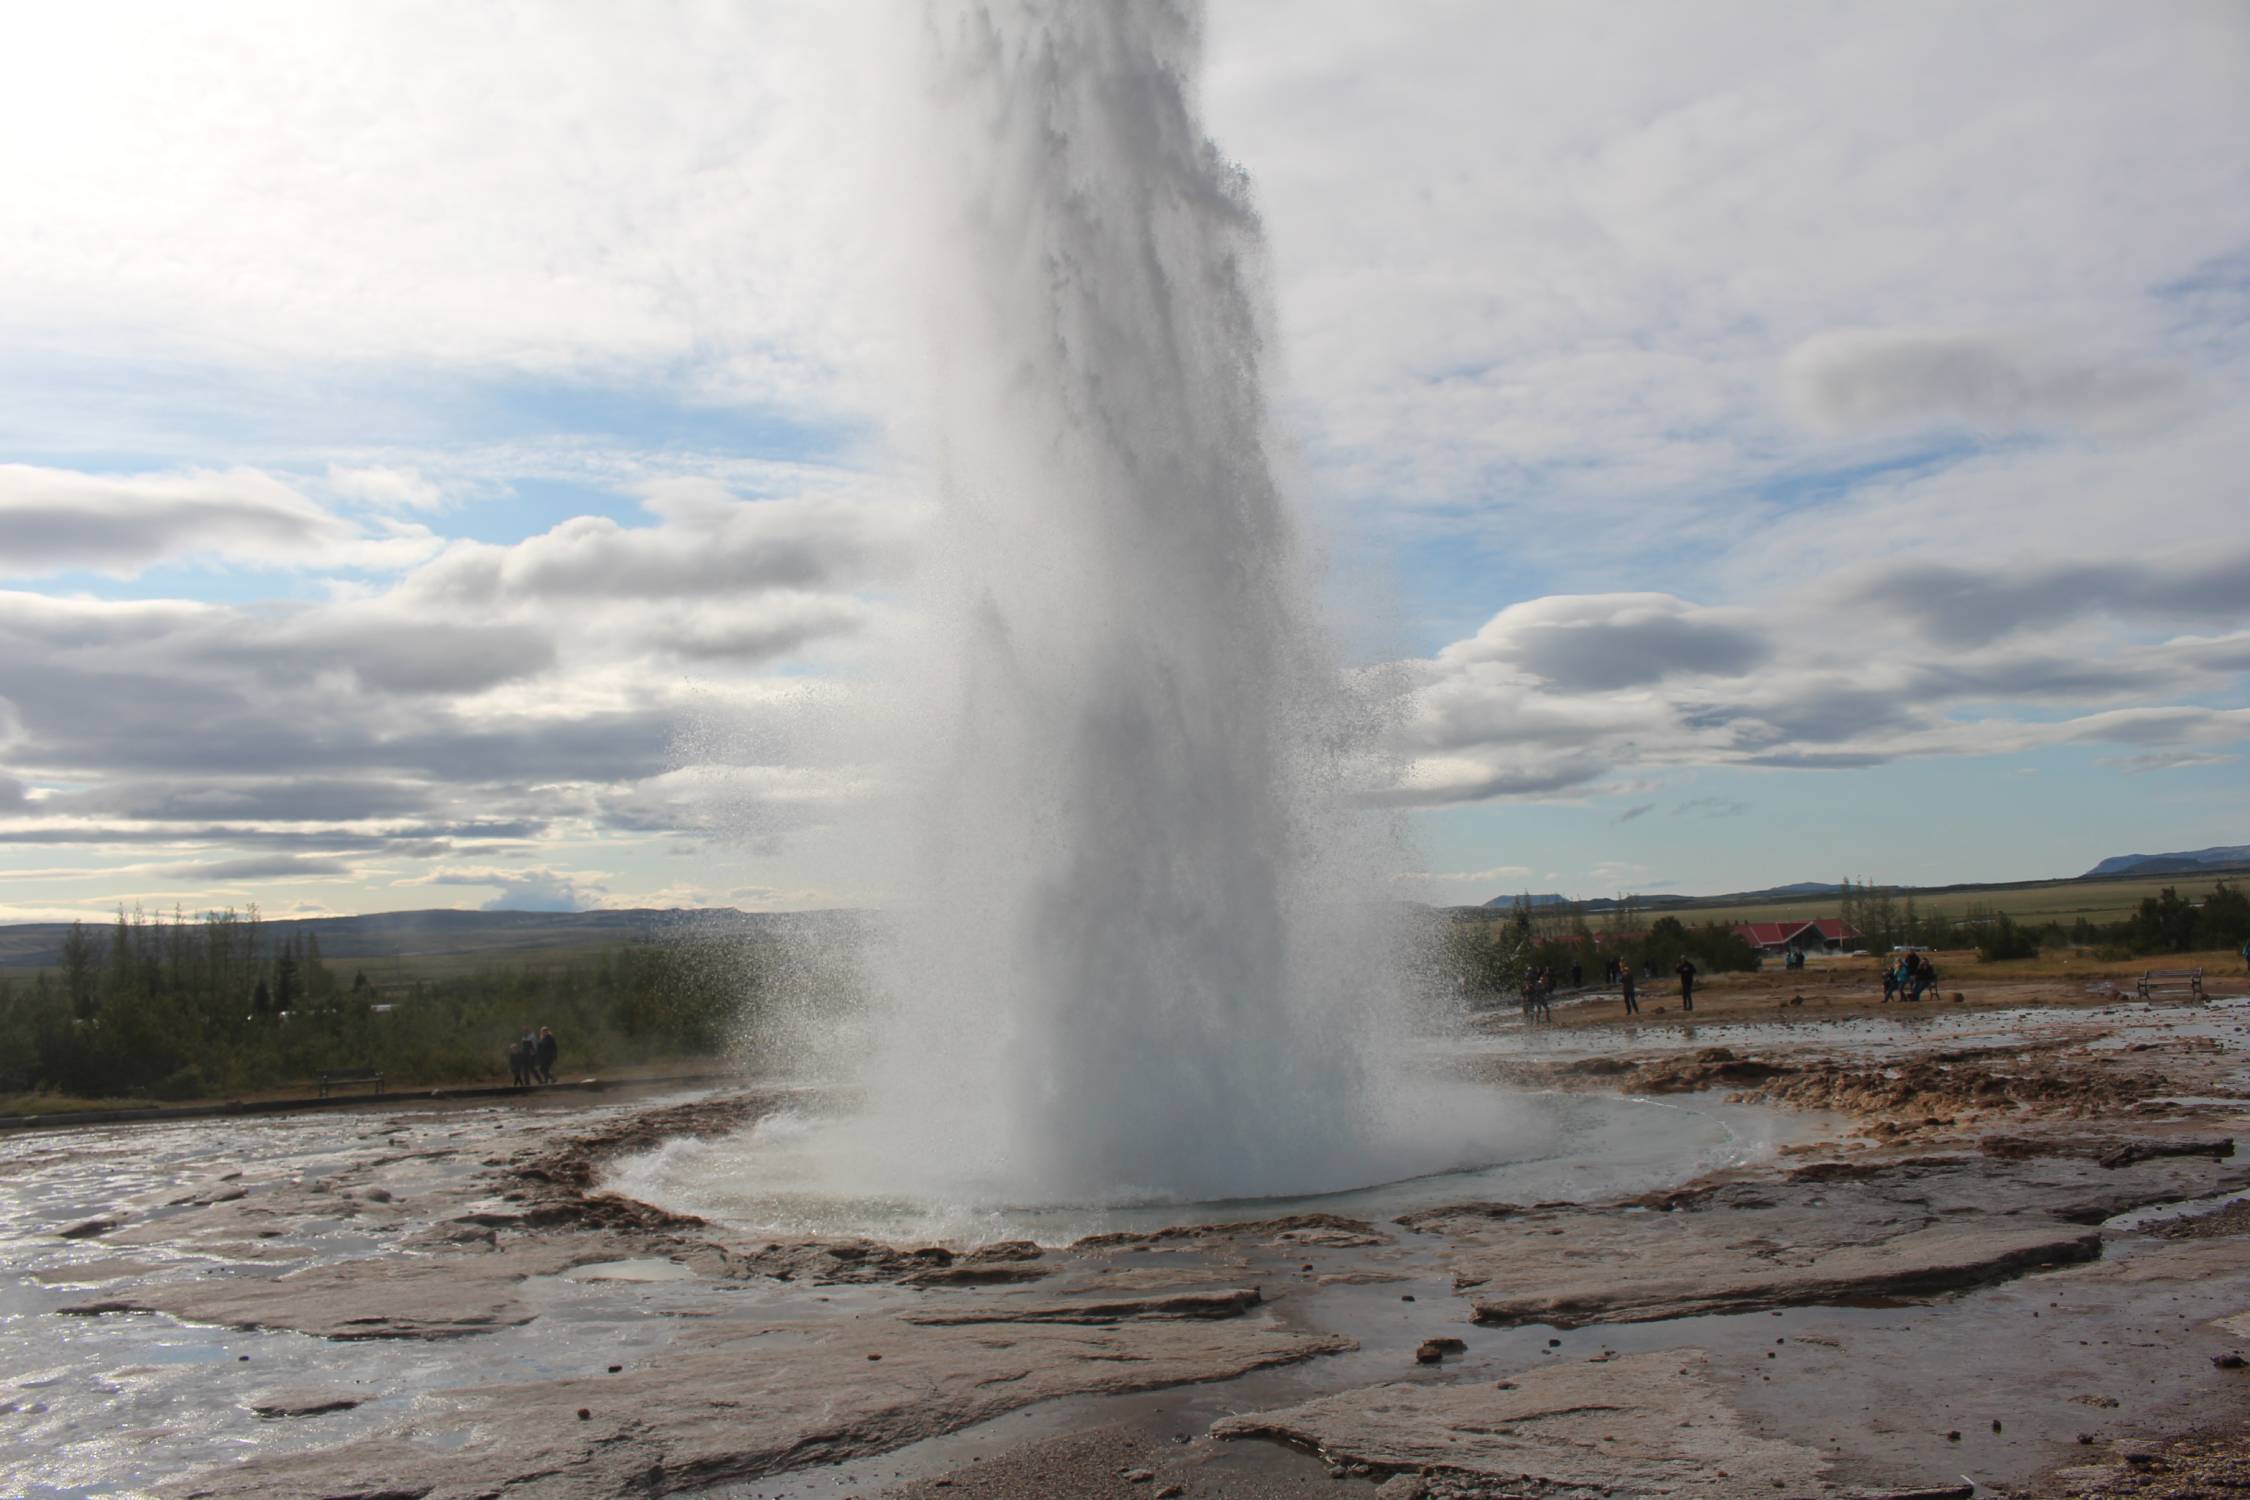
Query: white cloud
x=57, y=520
x=710, y=547
x=572, y=191
x=539, y=888
x=1541, y=273
x=1800, y=685
x=1466, y=877
x=596, y=680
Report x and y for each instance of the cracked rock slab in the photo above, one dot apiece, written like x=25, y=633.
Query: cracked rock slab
x=434, y=1297
x=1231, y=1303
x=1660, y=1269
x=739, y=1401
x=1829, y=1233
x=1648, y=1424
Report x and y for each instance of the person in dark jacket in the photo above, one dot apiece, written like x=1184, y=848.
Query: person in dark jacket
x=1687, y=983
x=1632, y=1003
x=545, y=1056
x=519, y=1060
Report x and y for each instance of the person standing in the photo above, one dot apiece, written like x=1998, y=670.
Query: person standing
x=548, y=1049
x=1632, y=1002
x=519, y=1063
x=1687, y=982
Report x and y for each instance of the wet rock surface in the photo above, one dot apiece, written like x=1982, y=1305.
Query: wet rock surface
x=737, y=1401
x=452, y=1304
x=2204, y=1466
x=1646, y=1424
x=303, y=1403
x=1826, y=1233
x=434, y=1298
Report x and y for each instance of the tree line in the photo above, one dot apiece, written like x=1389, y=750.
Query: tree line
x=212, y=1007
x=1492, y=956
x=2164, y=923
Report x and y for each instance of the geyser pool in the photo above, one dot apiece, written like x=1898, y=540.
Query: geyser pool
x=804, y=1172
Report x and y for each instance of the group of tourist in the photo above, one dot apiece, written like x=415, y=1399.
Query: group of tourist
x=1621, y=974
x=1539, y=986
x=532, y=1058
x=1909, y=978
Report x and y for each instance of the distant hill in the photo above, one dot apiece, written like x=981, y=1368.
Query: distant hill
x=1658, y=901
x=2186, y=862
x=426, y=934
x=2221, y=859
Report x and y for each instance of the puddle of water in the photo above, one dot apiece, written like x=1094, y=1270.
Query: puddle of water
x=646, y=1269
x=2163, y=1213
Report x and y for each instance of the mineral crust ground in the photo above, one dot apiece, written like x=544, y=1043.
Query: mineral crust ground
x=2018, y=1264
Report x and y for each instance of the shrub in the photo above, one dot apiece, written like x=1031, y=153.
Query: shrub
x=184, y=1082
x=2001, y=938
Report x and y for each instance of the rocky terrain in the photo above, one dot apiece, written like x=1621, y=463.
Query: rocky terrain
x=2018, y=1260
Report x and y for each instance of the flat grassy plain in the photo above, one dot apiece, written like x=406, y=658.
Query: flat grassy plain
x=1831, y=989
x=2039, y=902
x=392, y=971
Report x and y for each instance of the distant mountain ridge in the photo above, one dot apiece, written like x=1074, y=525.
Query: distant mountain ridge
x=2220, y=859
x=421, y=934
x=2180, y=862
x=1658, y=901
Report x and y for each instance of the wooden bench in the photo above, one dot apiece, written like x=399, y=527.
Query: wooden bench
x=2168, y=981
x=340, y=1079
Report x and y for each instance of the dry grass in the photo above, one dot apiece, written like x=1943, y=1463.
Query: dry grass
x=1838, y=988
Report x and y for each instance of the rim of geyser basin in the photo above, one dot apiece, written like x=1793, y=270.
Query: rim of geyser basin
x=1592, y=1146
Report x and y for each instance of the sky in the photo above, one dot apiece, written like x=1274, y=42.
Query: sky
x=456, y=456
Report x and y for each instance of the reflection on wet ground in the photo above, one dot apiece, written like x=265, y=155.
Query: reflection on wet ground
x=106, y=1404
x=1912, y=1029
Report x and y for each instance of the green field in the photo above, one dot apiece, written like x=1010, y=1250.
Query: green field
x=2038, y=903
x=390, y=970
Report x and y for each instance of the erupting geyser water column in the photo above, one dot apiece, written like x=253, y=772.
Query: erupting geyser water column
x=1140, y=952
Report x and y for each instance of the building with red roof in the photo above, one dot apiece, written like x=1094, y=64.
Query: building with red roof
x=1837, y=934
x=1821, y=935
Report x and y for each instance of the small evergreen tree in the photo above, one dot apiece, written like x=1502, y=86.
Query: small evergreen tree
x=80, y=977
x=285, y=987
x=319, y=979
